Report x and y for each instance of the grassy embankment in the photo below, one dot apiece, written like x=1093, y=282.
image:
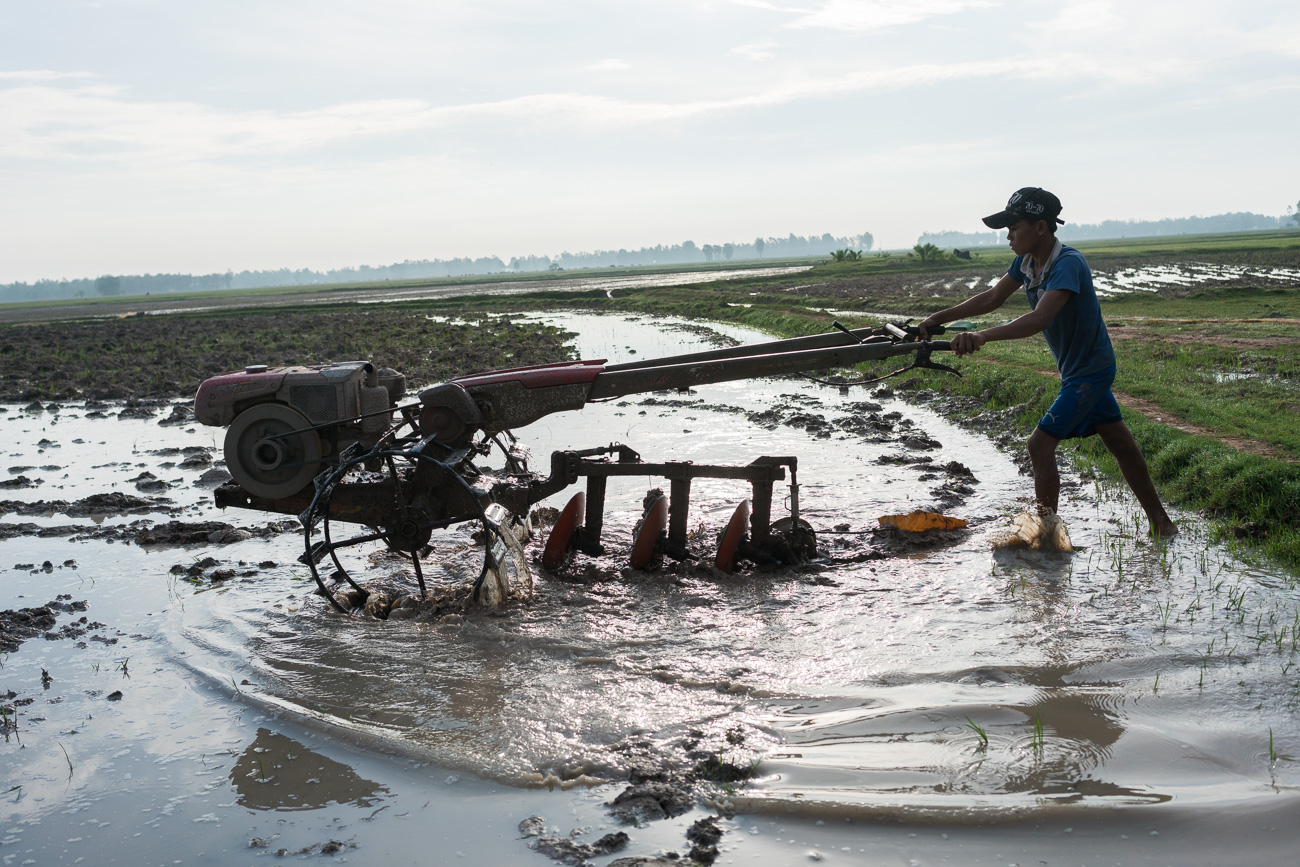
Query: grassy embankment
x=1221, y=358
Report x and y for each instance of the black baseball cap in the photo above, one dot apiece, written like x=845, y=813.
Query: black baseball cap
x=1027, y=203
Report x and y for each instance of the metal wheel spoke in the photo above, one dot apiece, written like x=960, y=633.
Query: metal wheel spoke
x=419, y=573
x=355, y=540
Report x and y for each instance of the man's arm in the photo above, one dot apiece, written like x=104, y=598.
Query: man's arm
x=1023, y=326
x=977, y=305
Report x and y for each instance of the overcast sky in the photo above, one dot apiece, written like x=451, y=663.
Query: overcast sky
x=152, y=136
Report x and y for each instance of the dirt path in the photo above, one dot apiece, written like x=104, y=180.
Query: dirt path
x=1152, y=411
x=1202, y=338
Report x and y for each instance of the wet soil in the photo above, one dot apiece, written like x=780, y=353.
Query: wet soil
x=661, y=789
x=169, y=356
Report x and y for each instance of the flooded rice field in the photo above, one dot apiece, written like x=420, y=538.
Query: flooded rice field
x=1151, y=278
x=577, y=283
x=1138, y=278
x=903, y=698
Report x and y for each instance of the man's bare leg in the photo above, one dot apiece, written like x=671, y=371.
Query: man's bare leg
x=1119, y=440
x=1047, y=479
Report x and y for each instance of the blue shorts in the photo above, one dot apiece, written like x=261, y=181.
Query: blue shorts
x=1083, y=403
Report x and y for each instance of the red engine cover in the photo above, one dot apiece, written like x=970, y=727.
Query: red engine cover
x=215, y=402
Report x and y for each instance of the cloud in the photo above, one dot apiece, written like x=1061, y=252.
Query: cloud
x=41, y=75
x=879, y=14
x=756, y=50
x=770, y=7
x=1082, y=16
x=609, y=64
x=104, y=124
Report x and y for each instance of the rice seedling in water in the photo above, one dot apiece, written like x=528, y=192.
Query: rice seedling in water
x=983, y=735
x=67, y=757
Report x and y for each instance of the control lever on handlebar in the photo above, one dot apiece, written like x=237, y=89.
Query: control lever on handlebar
x=906, y=331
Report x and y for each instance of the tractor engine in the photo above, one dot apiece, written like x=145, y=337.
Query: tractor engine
x=284, y=420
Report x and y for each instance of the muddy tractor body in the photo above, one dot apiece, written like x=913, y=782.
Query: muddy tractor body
x=339, y=446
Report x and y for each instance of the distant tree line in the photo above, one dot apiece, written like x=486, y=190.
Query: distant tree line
x=790, y=247
x=685, y=253
x=1235, y=222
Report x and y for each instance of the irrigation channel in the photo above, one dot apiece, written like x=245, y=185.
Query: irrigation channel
x=894, y=702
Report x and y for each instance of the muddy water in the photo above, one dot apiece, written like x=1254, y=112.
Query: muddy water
x=916, y=681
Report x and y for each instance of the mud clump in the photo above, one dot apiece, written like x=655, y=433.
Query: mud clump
x=136, y=411
x=181, y=533
x=115, y=503
x=662, y=784
x=18, y=625
x=653, y=800
x=196, y=572
x=704, y=837
x=329, y=847
x=181, y=415
x=814, y=424
x=197, y=460
x=568, y=850
x=212, y=532
x=96, y=505
x=212, y=478
x=148, y=483
x=894, y=542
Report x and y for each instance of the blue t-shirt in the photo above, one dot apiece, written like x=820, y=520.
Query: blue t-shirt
x=1076, y=335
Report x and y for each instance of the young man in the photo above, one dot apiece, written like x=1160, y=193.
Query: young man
x=1064, y=305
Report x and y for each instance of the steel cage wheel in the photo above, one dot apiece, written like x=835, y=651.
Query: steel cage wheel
x=319, y=512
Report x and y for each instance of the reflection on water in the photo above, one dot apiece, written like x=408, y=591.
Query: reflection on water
x=1150, y=278
x=388, y=294
x=278, y=773
x=957, y=678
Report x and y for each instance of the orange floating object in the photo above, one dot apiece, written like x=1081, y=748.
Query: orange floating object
x=557, y=544
x=920, y=521
x=725, y=561
x=647, y=534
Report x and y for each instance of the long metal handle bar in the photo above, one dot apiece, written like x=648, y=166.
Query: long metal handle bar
x=749, y=350
x=671, y=373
